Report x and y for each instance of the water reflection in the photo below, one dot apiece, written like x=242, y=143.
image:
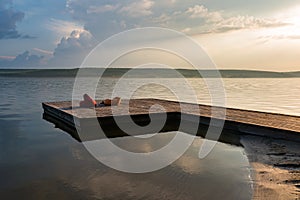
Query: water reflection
x=40, y=162
x=224, y=174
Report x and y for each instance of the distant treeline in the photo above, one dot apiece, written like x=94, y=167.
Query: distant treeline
x=145, y=73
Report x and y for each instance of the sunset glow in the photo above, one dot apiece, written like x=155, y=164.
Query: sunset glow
x=262, y=35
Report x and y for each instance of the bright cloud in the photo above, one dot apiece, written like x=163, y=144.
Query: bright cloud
x=246, y=22
x=196, y=19
x=138, y=8
x=217, y=22
x=290, y=32
x=199, y=11
x=43, y=51
x=7, y=57
x=62, y=27
x=72, y=49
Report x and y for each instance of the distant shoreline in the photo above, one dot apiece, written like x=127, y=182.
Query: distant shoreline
x=146, y=73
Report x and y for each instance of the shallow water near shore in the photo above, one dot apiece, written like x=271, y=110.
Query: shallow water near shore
x=38, y=161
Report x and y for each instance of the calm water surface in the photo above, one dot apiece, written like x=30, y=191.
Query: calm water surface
x=38, y=161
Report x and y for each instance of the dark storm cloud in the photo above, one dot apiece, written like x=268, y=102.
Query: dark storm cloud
x=9, y=17
x=8, y=20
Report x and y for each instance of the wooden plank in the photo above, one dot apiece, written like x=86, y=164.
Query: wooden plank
x=240, y=121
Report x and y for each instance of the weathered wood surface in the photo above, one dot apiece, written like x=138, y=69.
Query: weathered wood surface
x=245, y=121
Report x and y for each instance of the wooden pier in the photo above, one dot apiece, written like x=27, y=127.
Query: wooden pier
x=271, y=141
x=79, y=122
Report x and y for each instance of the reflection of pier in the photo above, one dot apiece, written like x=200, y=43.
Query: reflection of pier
x=237, y=122
x=274, y=157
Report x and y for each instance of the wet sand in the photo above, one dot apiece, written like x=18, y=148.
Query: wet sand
x=276, y=165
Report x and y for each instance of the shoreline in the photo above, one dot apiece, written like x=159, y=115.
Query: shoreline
x=117, y=72
x=276, y=167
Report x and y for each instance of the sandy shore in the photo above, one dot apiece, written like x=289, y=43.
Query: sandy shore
x=276, y=165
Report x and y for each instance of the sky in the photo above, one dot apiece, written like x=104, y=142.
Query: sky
x=236, y=34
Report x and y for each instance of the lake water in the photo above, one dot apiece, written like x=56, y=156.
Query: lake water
x=38, y=161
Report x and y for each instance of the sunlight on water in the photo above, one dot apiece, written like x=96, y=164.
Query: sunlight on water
x=264, y=94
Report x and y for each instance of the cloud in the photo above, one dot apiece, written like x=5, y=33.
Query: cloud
x=97, y=20
x=23, y=60
x=101, y=19
x=104, y=19
x=62, y=27
x=78, y=38
x=72, y=49
x=186, y=30
x=163, y=20
x=138, y=8
x=26, y=59
x=218, y=22
x=70, y=52
x=199, y=11
x=292, y=37
x=268, y=38
x=7, y=57
x=102, y=9
x=43, y=51
x=8, y=20
x=246, y=22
